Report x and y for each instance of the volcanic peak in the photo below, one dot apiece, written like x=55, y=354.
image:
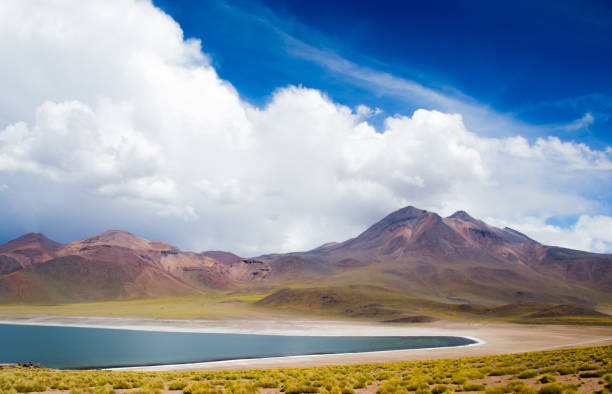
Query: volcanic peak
x=30, y=240
x=462, y=215
x=408, y=213
x=118, y=238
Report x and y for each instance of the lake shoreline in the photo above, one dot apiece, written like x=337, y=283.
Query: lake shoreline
x=491, y=338
x=288, y=327
x=178, y=366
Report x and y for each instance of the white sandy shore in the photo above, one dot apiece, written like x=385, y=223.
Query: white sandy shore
x=240, y=326
x=491, y=338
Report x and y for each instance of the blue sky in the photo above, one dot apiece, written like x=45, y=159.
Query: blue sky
x=545, y=64
x=268, y=126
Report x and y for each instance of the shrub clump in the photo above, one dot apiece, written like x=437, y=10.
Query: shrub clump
x=528, y=374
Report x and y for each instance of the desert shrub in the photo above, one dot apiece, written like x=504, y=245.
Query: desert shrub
x=177, y=385
x=592, y=374
x=556, y=388
x=154, y=384
x=469, y=386
x=106, y=389
x=608, y=379
x=29, y=385
x=505, y=370
x=121, y=385
x=359, y=385
x=391, y=387
x=588, y=367
x=382, y=375
x=201, y=388
x=514, y=386
x=146, y=391
x=474, y=374
x=299, y=387
x=439, y=388
x=546, y=379
x=459, y=379
x=397, y=377
x=566, y=370
x=241, y=388
x=81, y=390
x=329, y=383
x=530, y=373
x=415, y=386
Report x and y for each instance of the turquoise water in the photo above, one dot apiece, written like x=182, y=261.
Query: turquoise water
x=76, y=347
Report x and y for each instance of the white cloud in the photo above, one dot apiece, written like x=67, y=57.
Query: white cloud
x=478, y=116
x=70, y=141
x=579, y=124
x=109, y=102
x=366, y=112
x=593, y=233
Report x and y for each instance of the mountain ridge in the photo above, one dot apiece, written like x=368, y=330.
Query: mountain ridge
x=419, y=253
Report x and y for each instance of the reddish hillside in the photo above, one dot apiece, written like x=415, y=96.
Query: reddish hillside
x=25, y=251
x=111, y=265
x=226, y=258
x=455, y=259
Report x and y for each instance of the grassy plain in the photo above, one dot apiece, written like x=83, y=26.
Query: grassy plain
x=558, y=371
x=355, y=302
x=213, y=306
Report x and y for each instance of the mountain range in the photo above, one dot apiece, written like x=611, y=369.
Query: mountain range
x=411, y=252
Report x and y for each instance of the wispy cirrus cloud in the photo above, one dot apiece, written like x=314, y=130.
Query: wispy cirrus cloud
x=413, y=94
x=371, y=75
x=579, y=124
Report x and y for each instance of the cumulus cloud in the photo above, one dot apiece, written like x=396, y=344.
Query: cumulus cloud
x=366, y=112
x=593, y=233
x=106, y=106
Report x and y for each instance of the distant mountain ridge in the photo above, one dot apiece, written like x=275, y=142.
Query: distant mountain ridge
x=111, y=265
x=457, y=259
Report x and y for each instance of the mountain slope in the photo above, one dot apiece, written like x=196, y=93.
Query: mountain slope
x=26, y=251
x=109, y=266
x=454, y=259
x=411, y=253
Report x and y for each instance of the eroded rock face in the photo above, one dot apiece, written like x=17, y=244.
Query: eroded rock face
x=249, y=270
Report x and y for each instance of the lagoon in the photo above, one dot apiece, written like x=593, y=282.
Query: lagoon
x=84, y=347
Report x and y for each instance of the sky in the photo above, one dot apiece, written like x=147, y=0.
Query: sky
x=270, y=126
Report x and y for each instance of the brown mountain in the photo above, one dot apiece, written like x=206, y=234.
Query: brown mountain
x=111, y=265
x=226, y=258
x=457, y=259
x=26, y=251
